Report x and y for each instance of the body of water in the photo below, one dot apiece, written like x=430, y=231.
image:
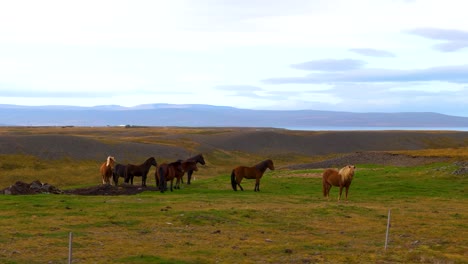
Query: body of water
x=378, y=128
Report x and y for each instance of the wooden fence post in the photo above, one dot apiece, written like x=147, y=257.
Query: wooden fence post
x=70, y=247
x=388, y=228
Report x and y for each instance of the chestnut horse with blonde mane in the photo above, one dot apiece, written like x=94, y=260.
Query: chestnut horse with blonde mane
x=255, y=172
x=341, y=178
x=107, y=170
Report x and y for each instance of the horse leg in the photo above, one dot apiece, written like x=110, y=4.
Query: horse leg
x=143, y=181
x=189, y=176
x=179, y=179
x=341, y=190
x=233, y=180
x=115, y=177
x=347, y=187
x=327, y=191
x=238, y=180
x=257, y=185
x=171, y=183
x=324, y=187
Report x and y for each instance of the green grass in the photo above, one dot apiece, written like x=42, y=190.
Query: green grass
x=287, y=222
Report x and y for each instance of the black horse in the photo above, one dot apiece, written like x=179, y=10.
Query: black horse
x=120, y=170
x=198, y=159
x=140, y=170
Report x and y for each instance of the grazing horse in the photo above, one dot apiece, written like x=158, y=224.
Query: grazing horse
x=254, y=172
x=120, y=170
x=341, y=178
x=198, y=159
x=140, y=170
x=107, y=170
x=167, y=172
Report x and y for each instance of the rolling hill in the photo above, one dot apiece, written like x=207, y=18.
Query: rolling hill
x=215, y=116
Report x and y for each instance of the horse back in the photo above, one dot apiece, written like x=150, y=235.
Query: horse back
x=104, y=169
x=136, y=170
x=246, y=172
x=332, y=177
x=120, y=170
x=167, y=171
x=189, y=166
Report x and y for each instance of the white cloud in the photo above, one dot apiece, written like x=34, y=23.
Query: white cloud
x=179, y=51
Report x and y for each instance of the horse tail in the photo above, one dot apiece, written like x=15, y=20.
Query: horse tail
x=162, y=179
x=156, y=177
x=126, y=180
x=324, y=184
x=233, y=180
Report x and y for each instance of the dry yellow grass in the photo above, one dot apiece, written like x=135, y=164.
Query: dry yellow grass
x=460, y=153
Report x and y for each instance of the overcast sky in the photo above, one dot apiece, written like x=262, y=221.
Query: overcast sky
x=339, y=55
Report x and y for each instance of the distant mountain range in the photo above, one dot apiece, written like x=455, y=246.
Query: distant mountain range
x=214, y=116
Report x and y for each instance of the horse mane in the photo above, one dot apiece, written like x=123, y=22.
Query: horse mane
x=109, y=159
x=179, y=161
x=347, y=172
x=262, y=166
x=197, y=158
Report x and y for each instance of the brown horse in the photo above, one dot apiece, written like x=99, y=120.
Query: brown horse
x=198, y=159
x=107, y=170
x=167, y=172
x=187, y=166
x=341, y=178
x=140, y=170
x=254, y=172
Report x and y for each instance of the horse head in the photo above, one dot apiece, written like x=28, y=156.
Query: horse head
x=152, y=161
x=110, y=161
x=347, y=172
x=270, y=164
x=201, y=159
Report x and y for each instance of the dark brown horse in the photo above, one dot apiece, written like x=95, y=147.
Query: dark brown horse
x=140, y=170
x=341, y=178
x=107, y=170
x=187, y=166
x=254, y=172
x=120, y=170
x=198, y=159
x=167, y=172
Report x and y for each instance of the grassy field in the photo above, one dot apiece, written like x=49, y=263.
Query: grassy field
x=287, y=222
x=207, y=222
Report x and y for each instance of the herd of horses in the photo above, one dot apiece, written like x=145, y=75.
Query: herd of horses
x=168, y=172
x=165, y=172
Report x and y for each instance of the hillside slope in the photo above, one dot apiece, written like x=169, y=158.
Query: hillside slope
x=172, y=143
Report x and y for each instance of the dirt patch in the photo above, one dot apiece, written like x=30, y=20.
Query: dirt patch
x=111, y=190
x=37, y=187
x=34, y=187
